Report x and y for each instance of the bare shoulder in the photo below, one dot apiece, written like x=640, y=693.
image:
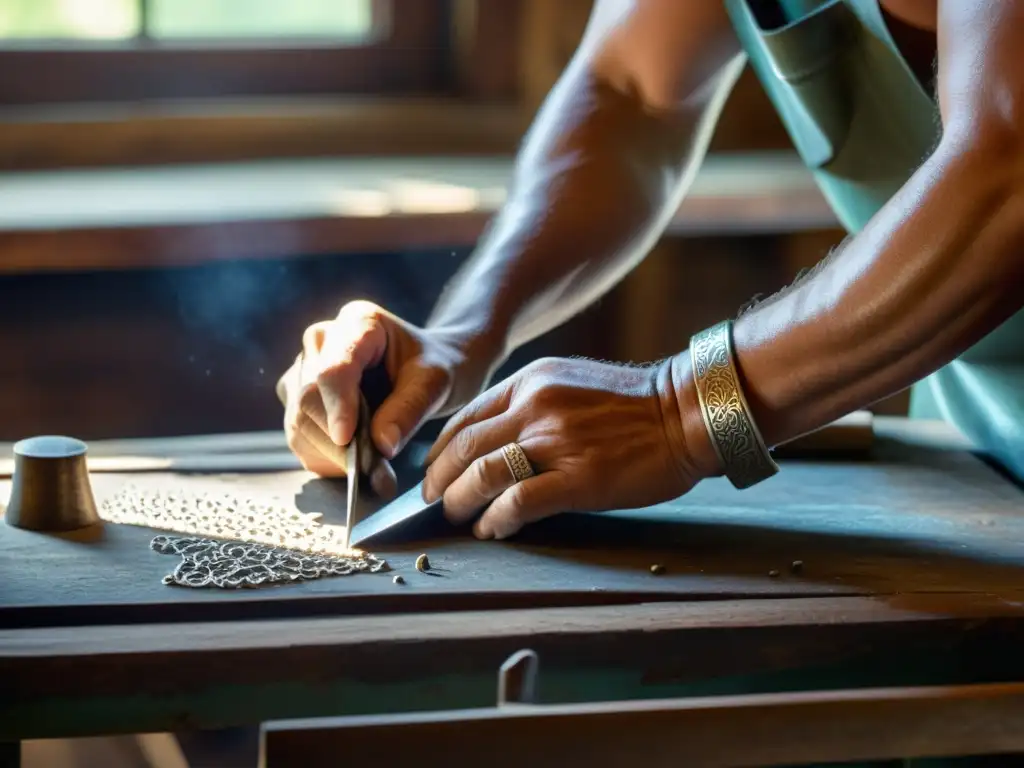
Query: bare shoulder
x=666, y=49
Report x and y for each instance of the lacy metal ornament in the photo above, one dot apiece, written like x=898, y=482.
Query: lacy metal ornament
x=232, y=543
x=236, y=565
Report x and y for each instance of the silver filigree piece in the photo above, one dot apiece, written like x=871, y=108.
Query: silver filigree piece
x=238, y=565
x=231, y=542
x=225, y=516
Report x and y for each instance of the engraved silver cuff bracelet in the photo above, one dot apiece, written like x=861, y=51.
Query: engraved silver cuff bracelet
x=738, y=443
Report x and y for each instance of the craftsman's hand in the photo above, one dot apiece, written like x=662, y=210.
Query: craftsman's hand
x=429, y=370
x=599, y=437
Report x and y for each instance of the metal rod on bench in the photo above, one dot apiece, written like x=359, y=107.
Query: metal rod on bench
x=517, y=679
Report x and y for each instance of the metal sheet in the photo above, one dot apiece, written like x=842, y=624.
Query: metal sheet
x=407, y=516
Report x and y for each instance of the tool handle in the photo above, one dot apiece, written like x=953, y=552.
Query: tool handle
x=375, y=386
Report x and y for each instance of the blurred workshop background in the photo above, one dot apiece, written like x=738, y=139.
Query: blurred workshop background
x=186, y=184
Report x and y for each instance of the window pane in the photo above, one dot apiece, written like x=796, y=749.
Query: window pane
x=69, y=19
x=344, y=19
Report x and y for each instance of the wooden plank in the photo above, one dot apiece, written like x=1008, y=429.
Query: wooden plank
x=121, y=135
x=150, y=217
x=485, y=53
x=408, y=59
x=912, y=520
x=668, y=642
x=711, y=732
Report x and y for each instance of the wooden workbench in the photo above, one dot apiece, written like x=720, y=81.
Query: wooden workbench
x=912, y=556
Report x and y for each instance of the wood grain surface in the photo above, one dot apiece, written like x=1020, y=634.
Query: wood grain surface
x=674, y=640
x=912, y=564
x=912, y=519
x=776, y=728
x=281, y=669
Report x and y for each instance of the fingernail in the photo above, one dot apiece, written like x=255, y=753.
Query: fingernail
x=482, y=531
x=337, y=432
x=429, y=495
x=389, y=437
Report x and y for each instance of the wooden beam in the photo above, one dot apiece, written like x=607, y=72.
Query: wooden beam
x=193, y=244
x=485, y=49
x=410, y=59
x=165, y=133
x=549, y=35
x=160, y=217
x=667, y=641
x=710, y=732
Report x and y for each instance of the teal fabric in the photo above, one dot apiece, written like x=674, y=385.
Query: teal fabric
x=863, y=124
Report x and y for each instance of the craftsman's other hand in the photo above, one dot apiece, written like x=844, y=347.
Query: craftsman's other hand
x=599, y=436
x=321, y=389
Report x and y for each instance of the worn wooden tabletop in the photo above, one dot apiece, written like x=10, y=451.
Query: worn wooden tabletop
x=909, y=519
x=918, y=548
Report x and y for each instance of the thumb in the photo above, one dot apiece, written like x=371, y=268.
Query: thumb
x=418, y=392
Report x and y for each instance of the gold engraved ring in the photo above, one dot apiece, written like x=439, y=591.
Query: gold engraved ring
x=518, y=464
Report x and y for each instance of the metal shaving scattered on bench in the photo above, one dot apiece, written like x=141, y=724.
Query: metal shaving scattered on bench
x=229, y=542
x=235, y=565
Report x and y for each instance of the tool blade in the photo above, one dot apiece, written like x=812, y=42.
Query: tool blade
x=352, y=468
x=402, y=513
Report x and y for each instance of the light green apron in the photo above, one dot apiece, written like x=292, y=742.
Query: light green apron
x=863, y=124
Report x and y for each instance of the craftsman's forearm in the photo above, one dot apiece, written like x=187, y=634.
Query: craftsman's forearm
x=937, y=269
x=596, y=182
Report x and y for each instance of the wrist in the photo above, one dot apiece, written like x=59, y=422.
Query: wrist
x=476, y=339
x=684, y=423
x=478, y=348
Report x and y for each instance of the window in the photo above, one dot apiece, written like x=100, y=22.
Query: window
x=132, y=50
x=349, y=20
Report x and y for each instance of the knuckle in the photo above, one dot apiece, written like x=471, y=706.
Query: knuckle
x=518, y=501
x=313, y=336
x=360, y=309
x=479, y=475
x=342, y=364
x=558, y=426
x=465, y=445
x=330, y=374
x=308, y=399
x=545, y=397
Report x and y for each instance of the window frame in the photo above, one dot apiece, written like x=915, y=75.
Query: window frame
x=409, y=60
